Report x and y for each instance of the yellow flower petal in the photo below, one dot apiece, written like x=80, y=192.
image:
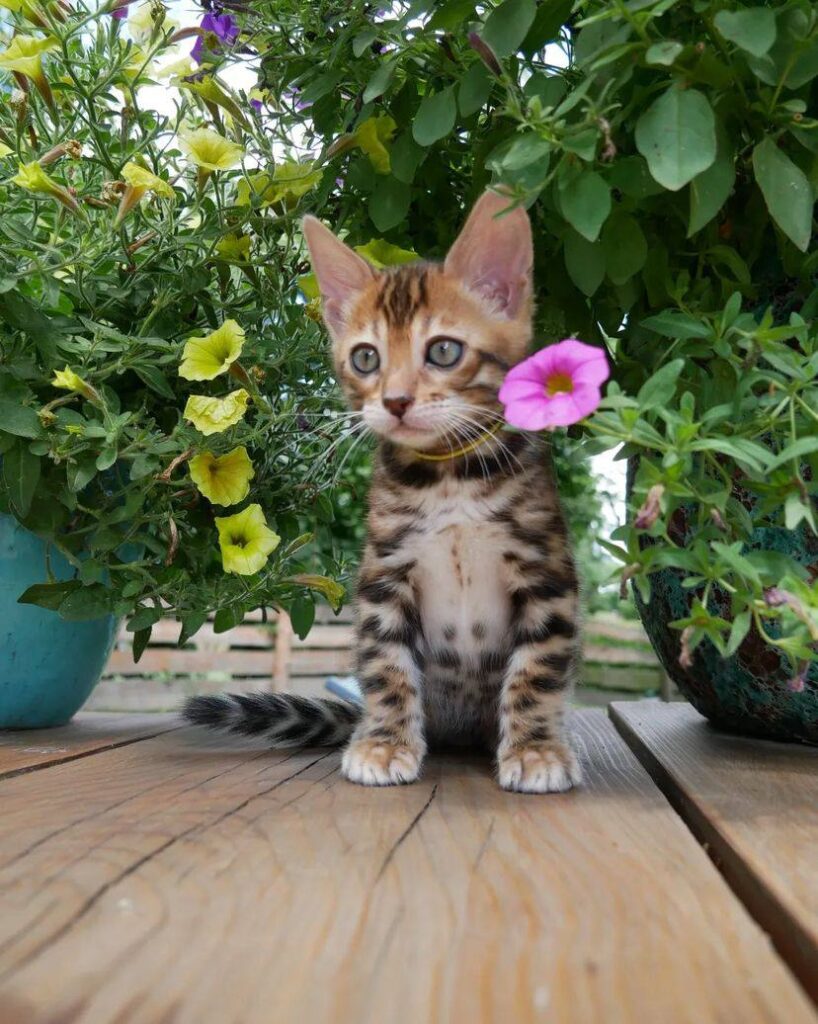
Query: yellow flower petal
x=69, y=381
x=372, y=137
x=24, y=55
x=141, y=22
x=214, y=415
x=260, y=184
x=209, y=150
x=289, y=180
x=143, y=179
x=207, y=357
x=223, y=479
x=246, y=541
x=5, y=150
x=234, y=247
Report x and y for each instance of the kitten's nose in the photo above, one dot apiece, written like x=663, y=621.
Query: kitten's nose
x=398, y=404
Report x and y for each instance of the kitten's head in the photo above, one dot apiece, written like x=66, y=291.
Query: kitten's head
x=421, y=349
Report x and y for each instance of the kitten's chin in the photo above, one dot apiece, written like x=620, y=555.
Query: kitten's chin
x=408, y=436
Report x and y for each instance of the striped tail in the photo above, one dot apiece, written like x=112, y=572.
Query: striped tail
x=281, y=719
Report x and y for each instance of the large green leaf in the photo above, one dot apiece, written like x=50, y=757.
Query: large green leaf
x=435, y=117
x=507, y=25
x=672, y=324
x=585, y=262
x=709, y=191
x=658, y=390
x=677, y=137
x=474, y=90
x=389, y=203
x=19, y=420
x=21, y=474
x=752, y=29
x=585, y=201
x=786, y=191
x=625, y=247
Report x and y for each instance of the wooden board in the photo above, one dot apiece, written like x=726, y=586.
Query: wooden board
x=754, y=803
x=23, y=750
x=178, y=879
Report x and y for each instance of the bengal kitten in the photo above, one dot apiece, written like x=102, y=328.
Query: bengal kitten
x=467, y=610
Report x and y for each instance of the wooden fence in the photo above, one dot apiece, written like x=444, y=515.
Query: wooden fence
x=618, y=661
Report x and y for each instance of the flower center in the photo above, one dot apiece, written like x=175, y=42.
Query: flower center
x=238, y=542
x=559, y=384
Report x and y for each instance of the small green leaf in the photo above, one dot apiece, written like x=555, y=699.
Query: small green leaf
x=435, y=117
x=658, y=390
x=797, y=450
x=406, y=156
x=19, y=420
x=474, y=90
x=192, y=622
x=227, y=618
x=584, y=261
x=527, y=150
x=672, y=324
x=585, y=201
x=86, y=603
x=48, y=595
x=663, y=53
x=379, y=82
x=786, y=191
x=507, y=25
x=302, y=616
x=752, y=29
x=362, y=42
x=144, y=618
x=709, y=191
x=677, y=136
x=21, y=474
x=155, y=380
x=738, y=631
x=389, y=203
x=141, y=639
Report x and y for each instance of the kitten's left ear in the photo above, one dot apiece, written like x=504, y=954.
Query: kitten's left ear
x=341, y=272
x=494, y=257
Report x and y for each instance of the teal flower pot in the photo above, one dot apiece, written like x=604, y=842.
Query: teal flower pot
x=48, y=667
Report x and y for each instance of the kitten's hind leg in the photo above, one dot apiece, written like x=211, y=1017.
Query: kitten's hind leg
x=388, y=746
x=533, y=755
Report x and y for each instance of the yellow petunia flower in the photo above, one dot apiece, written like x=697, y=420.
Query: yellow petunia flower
x=372, y=137
x=25, y=57
x=223, y=479
x=214, y=415
x=209, y=89
x=137, y=64
x=234, y=247
x=246, y=541
x=69, y=380
x=260, y=184
x=140, y=181
x=207, y=357
x=289, y=181
x=34, y=179
x=209, y=150
x=142, y=24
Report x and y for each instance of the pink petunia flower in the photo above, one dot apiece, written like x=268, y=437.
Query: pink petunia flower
x=557, y=386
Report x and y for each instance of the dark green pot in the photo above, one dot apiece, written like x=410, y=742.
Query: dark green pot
x=749, y=692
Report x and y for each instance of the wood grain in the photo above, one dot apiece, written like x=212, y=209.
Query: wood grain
x=23, y=750
x=755, y=804
x=178, y=880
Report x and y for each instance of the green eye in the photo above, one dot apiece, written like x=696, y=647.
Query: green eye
x=365, y=358
x=444, y=352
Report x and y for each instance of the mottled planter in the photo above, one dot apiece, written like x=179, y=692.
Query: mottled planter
x=48, y=667
x=747, y=693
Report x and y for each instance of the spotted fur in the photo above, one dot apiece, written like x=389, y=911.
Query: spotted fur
x=467, y=604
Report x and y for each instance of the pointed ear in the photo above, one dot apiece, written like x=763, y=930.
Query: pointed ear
x=341, y=272
x=493, y=257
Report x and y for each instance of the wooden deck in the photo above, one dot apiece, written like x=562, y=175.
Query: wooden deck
x=150, y=874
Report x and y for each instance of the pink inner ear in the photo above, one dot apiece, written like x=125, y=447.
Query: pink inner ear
x=493, y=256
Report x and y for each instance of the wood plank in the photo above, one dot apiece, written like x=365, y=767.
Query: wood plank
x=618, y=655
x=754, y=803
x=175, y=662
x=23, y=750
x=180, y=879
x=154, y=695
x=321, y=663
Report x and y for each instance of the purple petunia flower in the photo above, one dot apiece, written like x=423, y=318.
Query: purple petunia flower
x=223, y=26
x=121, y=11
x=256, y=105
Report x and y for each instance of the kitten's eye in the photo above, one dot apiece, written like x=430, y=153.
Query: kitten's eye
x=365, y=358
x=444, y=352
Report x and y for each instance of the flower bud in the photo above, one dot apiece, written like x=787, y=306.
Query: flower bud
x=649, y=512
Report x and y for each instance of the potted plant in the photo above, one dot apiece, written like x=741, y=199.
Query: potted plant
x=667, y=154
x=159, y=379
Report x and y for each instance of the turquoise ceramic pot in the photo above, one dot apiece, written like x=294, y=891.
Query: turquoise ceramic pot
x=48, y=667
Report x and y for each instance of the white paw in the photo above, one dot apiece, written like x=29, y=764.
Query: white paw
x=544, y=768
x=375, y=763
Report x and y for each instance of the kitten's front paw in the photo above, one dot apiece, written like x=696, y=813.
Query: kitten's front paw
x=539, y=768
x=376, y=763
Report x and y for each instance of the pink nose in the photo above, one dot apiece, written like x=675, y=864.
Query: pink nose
x=398, y=405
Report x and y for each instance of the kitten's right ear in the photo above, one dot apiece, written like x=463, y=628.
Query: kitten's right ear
x=341, y=272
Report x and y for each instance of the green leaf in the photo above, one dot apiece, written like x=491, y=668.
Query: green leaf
x=583, y=144
x=738, y=631
x=155, y=380
x=48, y=595
x=507, y=25
x=474, y=90
x=677, y=136
x=86, y=603
x=585, y=202
x=389, y=203
x=752, y=29
x=227, y=618
x=630, y=175
x=21, y=474
x=797, y=450
x=192, y=622
x=141, y=639
x=379, y=82
x=786, y=191
x=80, y=473
x=362, y=42
x=451, y=15
x=663, y=53
x=625, y=247
x=435, y=117
x=659, y=389
x=672, y=324
x=302, y=616
x=144, y=618
x=585, y=262
x=406, y=156
x=19, y=420
x=709, y=191
x=526, y=150
x=550, y=18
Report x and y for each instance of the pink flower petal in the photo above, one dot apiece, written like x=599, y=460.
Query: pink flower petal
x=528, y=414
x=521, y=388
